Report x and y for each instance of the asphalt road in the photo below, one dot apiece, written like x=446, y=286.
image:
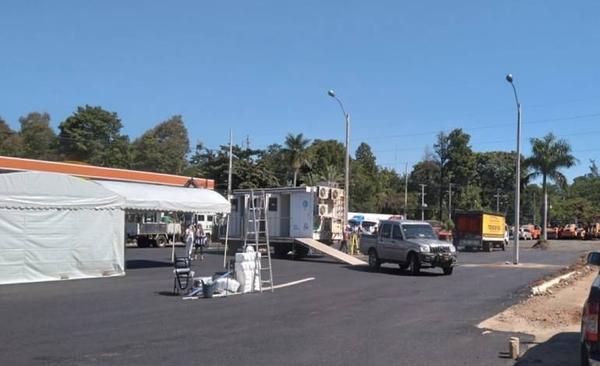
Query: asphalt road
x=345, y=316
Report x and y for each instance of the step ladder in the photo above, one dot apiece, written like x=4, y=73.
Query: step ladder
x=257, y=236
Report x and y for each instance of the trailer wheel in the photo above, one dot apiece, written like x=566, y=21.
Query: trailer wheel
x=281, y=250
x=414, y=266
x=374, y=262
x=161, y=241
x=300, y=251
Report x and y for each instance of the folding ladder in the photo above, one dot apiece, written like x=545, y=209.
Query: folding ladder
x=257, y=236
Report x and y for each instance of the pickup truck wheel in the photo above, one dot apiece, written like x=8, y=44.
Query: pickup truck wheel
x=374, y=262
x=414, y=266
x=448, y=270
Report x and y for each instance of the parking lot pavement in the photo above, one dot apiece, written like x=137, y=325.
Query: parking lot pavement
x=346, y=315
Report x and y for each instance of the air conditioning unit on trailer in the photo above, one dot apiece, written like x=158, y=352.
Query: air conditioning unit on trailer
x=323, y=193
x=323, y=210
x=336, y=193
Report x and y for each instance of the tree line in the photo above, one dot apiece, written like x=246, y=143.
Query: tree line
x=450, y=174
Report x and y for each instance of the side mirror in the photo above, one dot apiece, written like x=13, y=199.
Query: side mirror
x=593, y=258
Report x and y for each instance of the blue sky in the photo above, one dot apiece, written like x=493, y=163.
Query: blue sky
x=405, y=71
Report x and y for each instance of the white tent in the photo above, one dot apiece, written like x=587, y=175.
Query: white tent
x=55, y=226
x=139, y=196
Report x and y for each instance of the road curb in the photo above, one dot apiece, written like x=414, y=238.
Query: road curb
x=541, y=289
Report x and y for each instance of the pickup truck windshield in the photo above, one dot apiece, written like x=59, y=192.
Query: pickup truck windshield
x=418, y=232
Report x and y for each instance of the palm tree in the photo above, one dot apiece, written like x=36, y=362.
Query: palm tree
x=548, y=156
x=296, y=153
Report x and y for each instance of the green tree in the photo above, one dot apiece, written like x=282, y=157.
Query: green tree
x=364, y=182
x=548, y=156
x=458, y=165
x=390, y=195
x=296, y=153
x=38, y=138
x=496, y=178
x=92, y=135
x=327, y=152
x=425, y=172
x=329, y=175
x=163, y=149
x=274, y=159
x=213, y=164
x=10, y=141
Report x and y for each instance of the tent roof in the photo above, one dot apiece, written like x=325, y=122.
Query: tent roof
x=41, y=190
x=139, y=196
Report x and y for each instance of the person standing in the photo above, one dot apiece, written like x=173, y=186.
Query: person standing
x=344, y=244
x=354, y=241
x=199, y=242
x=189, y=240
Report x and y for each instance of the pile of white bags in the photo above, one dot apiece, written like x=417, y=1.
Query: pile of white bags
x=226, y=284
x=247, y=270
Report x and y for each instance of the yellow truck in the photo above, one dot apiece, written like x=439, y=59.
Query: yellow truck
x=480, y=230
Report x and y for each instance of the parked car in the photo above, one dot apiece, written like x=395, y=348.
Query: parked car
x=590, y=344
x=525, y=234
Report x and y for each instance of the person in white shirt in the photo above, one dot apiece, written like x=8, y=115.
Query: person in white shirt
x=189, y=240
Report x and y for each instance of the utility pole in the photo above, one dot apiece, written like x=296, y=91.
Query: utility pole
x=533, y=209
x=497, y=195
x=405, y=190
x=423, y=205
x=450, y=200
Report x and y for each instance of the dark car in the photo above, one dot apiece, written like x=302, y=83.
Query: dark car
x=590, y=344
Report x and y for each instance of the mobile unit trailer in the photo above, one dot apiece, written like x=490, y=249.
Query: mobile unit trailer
x=480, y=230
x=299, y=218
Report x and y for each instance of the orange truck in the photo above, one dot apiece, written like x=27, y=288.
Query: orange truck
x=535, y=230
x=571, y=231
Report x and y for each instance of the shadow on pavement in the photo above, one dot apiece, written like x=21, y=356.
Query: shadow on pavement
x=425, y=272
x=145, y=263
x=562, y=349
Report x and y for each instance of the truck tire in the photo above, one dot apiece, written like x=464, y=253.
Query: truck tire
x=487, y=247
x=503, y=246
x=414, y=265
x=161, y=241
x=374, y=262
x=448, y=270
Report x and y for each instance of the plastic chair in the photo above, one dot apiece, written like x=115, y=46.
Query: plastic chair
x=183, y=274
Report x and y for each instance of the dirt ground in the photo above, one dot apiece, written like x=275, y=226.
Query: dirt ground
x=545, y=315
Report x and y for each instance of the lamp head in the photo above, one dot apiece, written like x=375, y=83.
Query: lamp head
x=331, y=93
x=509, y=78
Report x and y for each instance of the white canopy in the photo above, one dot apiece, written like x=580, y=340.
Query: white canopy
x=39, y=190
x=55, y=227
x=139, y=196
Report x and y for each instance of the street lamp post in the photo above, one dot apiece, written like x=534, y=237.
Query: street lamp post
x=509, y=78
x=331, y=93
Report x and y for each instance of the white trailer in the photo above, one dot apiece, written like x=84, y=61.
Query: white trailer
x=298, y=218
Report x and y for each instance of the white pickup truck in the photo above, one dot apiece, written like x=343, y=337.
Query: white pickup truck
x=411, y=244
